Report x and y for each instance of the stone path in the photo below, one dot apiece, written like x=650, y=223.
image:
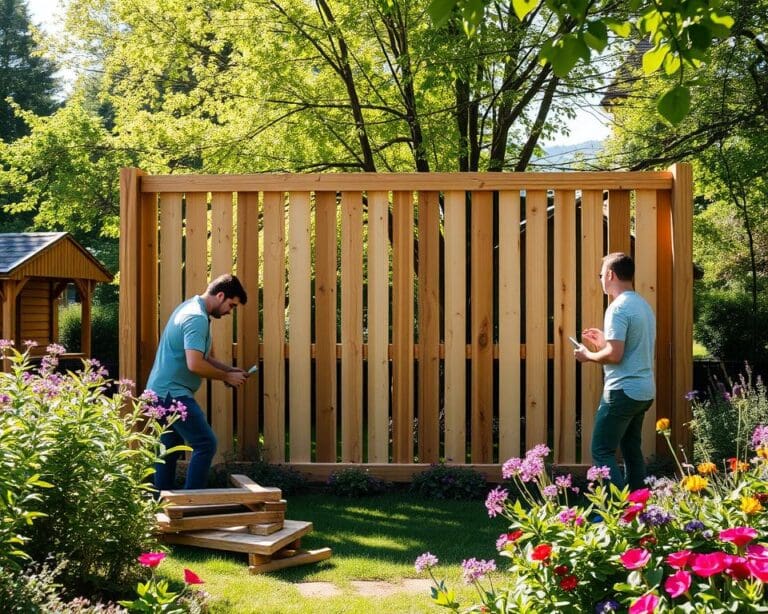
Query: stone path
x=376, y=588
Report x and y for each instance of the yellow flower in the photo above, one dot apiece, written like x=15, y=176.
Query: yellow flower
x=706, y=468
x=750, y=505
x=694, y=483
x=762, y=452
x=662, y=424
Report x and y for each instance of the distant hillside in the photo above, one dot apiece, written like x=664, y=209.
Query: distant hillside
x=561, y=156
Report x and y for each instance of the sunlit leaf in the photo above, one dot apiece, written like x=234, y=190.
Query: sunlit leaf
x=440, y=11
x=653, y=58
x=523, y=7
x=675, y=104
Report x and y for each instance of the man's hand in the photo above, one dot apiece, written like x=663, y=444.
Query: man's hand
x=235, y=377
x=594, y=338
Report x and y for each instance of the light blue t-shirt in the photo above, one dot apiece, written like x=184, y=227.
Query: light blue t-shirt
x=629, y=318
x=187, y=329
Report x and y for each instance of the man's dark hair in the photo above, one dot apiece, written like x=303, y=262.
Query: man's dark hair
x=622, y=265
x=230, y=286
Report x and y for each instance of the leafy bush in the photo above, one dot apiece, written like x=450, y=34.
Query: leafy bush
x=724, y=323
x=693, y=543
x=104, y=331
x=354, y=483
x=725, y=417
x=449, y=482
x=74, y=468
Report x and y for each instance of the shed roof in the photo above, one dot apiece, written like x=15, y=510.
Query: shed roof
x=48, y=254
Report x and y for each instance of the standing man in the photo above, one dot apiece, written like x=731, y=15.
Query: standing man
x=625, y=349
x=183, y=358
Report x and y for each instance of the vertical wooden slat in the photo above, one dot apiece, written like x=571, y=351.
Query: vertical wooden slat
x=351, y=327
x=299, y=318
x=222, y=329
x=591, y=309
x=565, y=326
x=509, y=325
x=148, y=313
x=196, y=260
x=619, y=238
x=130, y=179
x=482, y=327
x=645, y=284
x=536, y=350
x=274, y=327
x=682, y=295
x=325, y=327
x=85, y=316
x=170, y=254
x=664, y=302
x=248, y=332
x=378, y=328
x=402, y=328
x=455, y=326
x=8, y=317
x=429, y=327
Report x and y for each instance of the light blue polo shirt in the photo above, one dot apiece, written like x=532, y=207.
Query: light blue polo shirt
x=187, y=329
x=629, y=318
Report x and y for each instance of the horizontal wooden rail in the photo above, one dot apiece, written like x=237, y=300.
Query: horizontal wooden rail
x=269, y=182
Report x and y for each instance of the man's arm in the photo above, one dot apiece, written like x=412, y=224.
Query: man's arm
x=213, y=369
x=611, y=352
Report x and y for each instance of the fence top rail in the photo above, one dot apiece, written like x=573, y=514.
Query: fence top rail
x=440, y=182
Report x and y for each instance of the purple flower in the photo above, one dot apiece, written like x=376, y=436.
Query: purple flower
x=55, y=349
x=550, y=491
x=738, y=391
x=607, y=606
x=30, y=343
x=494, y=503
x=760, y=437
x=598, y=473
x=511, y=468
x=474, y=569
x=692, y=395
x=567, y=516
x=563, y=481
x=533, y=466
x=654, y=516
x=425, y=561
x=501, y=542
x=693, y=526
x=5, y=344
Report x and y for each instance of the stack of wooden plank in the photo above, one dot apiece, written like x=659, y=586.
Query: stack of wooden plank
x=248, y=518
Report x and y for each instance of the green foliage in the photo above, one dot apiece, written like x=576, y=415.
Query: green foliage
x=724, y=418
x=104, y=331
x=287, y=479
x=354, y=483
x=449, y=482
x=74, y=468
x=727, y=326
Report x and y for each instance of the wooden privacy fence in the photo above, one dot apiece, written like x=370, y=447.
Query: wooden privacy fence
x=400, y=319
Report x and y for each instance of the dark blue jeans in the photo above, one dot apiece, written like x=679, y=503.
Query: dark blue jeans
x=198, y=435
x=619, y=425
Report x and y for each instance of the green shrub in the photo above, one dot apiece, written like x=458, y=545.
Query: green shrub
x=74, y=468
x=724, y=324
x=449, y=482
x=354, y=483
x=104, y=332
x=725, y=417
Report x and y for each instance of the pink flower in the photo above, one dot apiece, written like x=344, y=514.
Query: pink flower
x=757, y=551
x=639, y=496
x=645, y=605
x=151, y=559
x=190, y=577
x=632, y=511
x=635, y=558
x=706, y=565
x=740, y=536
x=758, y=568
x=678, y=583
x=738, y=569
x=679, y=559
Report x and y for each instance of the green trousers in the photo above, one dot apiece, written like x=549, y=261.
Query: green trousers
x=619, y=425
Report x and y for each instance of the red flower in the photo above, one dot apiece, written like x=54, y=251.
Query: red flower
x=706, y=565
x=645, y=605
x=569, y=583
x=761, y=496
x=190, y=577
x=514, y=535
x=758, y=567
x=541, y=552
x=639, y=496
x=635, y=558
x=646, y=540
x=738, y=569
x=561, y=570
x=679, y=559
x=632, y=511
x=678, y=583
x=151, y=559
x=740, y=536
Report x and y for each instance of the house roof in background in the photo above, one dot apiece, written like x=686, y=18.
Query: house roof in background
x=19, y=249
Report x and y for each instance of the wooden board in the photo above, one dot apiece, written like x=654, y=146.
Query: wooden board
x=186, y=511
x=265, y=529
x=298, y=557
x=220, y=495
x=167, y=524
x=237, y=539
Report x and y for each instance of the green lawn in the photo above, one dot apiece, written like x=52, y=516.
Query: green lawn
x=376, y=538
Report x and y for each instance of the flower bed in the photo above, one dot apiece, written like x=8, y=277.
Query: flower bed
x=693, y=543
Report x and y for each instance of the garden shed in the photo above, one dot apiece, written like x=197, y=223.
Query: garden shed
x=35, y=269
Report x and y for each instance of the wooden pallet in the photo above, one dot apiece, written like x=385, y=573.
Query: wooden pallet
x=248, y=518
